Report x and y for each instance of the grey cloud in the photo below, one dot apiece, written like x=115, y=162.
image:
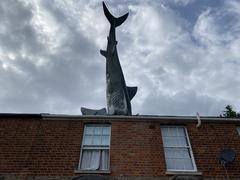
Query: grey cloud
x=61, y=70
x=17, y=34
x=218, y=26
x=182, y=103
x=184, y=66
x=68, y=79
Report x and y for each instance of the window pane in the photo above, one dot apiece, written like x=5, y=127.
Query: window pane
x=96, y=140
x=184, y=153
x=181, y=131
x=170, y=141
x=89, y=130
x=90, y=159
x=106, y=130
x=172, y=131
x=87, y=140
x=170, y=163
x=188, y=164
x=95, y=159
x=175, y=141
x=179, y=164
x=177, y=149
x=182, y=141
x=95, y=147
x=169, y=152
x=177, y=153
x=164, y=132
x=105, y=140
x=97, y=130
x=104, y=164
x=86, y=159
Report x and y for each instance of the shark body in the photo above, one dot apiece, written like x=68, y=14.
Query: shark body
x=118, y=94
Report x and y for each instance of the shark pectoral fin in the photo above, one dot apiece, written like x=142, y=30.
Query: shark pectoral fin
x=86, y=111
x=131, y=92
x=104, y=53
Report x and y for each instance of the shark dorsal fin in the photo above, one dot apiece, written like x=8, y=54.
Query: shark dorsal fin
x=104, y=53
x=131, y=92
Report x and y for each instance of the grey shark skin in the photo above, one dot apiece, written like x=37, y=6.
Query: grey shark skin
x=118, y=94
x=86, y=111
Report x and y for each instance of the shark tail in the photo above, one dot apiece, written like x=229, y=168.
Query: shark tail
x=113, y=20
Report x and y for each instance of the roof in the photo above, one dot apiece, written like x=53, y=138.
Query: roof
x=47, y=116
x=19, y=115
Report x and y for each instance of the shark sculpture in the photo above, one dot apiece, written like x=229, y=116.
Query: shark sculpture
x=118, y=94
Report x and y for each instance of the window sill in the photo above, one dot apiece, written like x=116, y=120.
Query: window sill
x=196, y=173
x=92, y=171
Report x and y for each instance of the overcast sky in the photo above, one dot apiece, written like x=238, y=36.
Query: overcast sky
x=184, y=55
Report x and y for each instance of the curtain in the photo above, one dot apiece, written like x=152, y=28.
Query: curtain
x=104, y=160
x=90, y=159
x=95, y=160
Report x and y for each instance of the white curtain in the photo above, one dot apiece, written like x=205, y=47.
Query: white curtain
x=95, y=160
x=104, y=160
x=90, y=159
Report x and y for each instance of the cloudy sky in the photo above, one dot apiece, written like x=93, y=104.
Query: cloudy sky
x=184, y=55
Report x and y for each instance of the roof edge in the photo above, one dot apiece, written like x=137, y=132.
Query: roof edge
x=20, y=115
x=47, y=116
x=136, y=117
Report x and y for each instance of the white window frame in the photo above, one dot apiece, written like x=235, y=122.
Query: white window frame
x=189, y=147
x=92, y=147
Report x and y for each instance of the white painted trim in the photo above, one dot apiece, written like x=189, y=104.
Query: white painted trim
x=107, y=118
x=92, y=171
x=97, y=147
x=189, y=147
x=183, y=173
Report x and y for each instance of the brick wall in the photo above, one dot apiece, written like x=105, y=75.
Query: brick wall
x=136, y=149
x=36, y=147
x=208, y=141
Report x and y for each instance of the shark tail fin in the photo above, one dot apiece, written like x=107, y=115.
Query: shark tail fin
x=131, y=92
x=113, y=20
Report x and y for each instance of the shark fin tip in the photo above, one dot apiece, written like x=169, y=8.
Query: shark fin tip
x=104, y=53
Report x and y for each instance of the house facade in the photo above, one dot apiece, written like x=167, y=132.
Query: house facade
x=48, y=146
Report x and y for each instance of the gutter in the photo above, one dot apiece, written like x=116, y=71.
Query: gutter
x=163, y=119
x=20, y=115
x=137, y=118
